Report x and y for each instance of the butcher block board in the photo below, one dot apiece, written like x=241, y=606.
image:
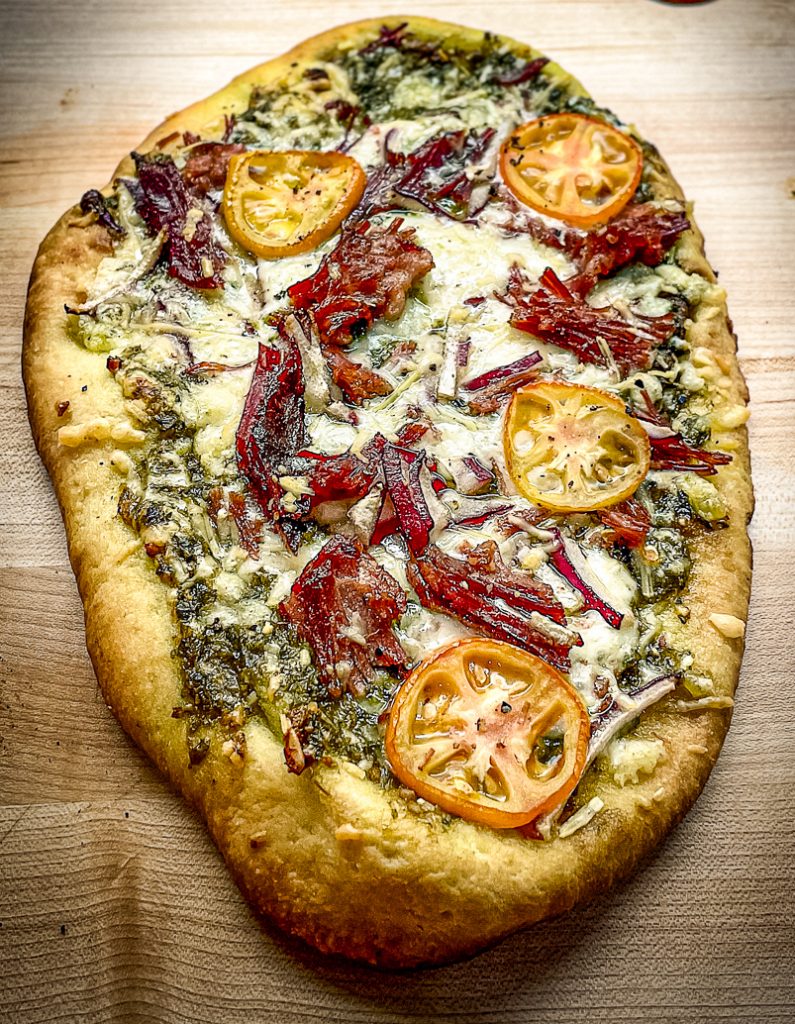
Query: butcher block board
x=114, y=905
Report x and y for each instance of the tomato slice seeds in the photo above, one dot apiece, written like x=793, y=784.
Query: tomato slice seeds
x=488, y=732
x=575, y=168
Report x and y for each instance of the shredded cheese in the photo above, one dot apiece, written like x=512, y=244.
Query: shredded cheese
x=581, y=818
x=728, y=625
x=102, y=428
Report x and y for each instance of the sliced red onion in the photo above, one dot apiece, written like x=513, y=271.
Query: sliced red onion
x=527, y=71
x=465, y=510
x=448, y=374
x=470, y=475
x=150, y=252
x=501, y=372
x=606, y=724
x=206, y=369
x=570, y=563
x=655, y=430
x=402, y=474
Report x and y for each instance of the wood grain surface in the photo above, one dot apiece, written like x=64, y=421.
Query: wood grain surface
x=114, y=905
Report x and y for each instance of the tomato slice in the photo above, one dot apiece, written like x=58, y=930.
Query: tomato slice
x=571, y=167
x=488, y=732
x=571, y=448
x=282, y=204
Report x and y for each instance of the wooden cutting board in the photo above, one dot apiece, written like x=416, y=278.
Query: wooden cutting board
x=114, y=905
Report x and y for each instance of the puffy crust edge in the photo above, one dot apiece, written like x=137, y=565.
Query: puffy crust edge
x=327, y=855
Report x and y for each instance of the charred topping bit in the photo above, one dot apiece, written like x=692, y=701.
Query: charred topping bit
x=552, y=313
x=165, y=202
x=207, y=164
x=367, y=276
x=94, y=202
x=441, y=175
x=62, y=408
x=343, y=605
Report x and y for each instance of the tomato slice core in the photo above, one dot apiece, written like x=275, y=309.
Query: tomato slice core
x=572, y=448
x=488, y=732
x=280, y=204
x=571, y=167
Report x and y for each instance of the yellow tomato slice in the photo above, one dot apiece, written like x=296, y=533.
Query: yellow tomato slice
x=282, y=204
x=571, y=448
x=488, y=732
x=571, y=167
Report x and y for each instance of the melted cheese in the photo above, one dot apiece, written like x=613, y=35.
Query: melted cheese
x=630, y=759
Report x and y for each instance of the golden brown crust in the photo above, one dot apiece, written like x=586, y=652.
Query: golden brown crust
x=323, y=853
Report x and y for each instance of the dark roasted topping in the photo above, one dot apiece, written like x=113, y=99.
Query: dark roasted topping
x=355, y=381
x=94, y=202
x=367, y=276
x=640, y=232
x=207, y=164
x=673, y=453
x=340, y=478
x=402, y=470
x=166, y=203
x=343, y=605
x=469, y=589
x=556, y=316
x=272, y=428
x=482, y=592
x=440, y=175
x=628, y=522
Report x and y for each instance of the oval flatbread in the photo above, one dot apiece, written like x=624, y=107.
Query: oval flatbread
x=289, y=477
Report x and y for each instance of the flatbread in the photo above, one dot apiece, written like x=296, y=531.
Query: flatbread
x=325, y=854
